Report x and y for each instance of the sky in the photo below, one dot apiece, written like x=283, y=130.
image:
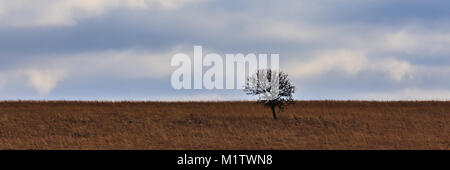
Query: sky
x=121, y=49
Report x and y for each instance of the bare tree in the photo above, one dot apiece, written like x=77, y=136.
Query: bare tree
x=273, y=88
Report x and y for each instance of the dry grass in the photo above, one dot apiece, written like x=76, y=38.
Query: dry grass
x=224, y=125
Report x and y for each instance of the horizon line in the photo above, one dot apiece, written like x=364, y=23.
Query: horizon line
x=217, y=101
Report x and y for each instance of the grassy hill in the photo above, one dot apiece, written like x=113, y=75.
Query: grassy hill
x=224, y=125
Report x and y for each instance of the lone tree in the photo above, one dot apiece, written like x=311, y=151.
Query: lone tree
x=273, y=88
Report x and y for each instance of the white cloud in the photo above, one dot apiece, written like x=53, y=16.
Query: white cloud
x=414, y=42
x=31, y=13
x=347, y=61
x=401, y=41
x=42, y=79
x=45, y=75
x=396, y=69
x=45, y=80
x=173, y=4
x=351, y=63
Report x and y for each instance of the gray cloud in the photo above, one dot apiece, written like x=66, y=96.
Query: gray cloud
x=332, y=49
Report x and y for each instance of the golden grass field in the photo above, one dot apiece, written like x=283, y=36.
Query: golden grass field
x=224, y=125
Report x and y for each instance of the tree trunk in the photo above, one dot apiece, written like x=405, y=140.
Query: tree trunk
x=273, y=112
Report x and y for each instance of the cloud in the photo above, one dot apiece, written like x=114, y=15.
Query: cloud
x=328, y=47
x=45, y=75
x=350, y=62
x=45, y=80
x=29, y=13
x=401, y=41
x=41, y=79
x=413, y=41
